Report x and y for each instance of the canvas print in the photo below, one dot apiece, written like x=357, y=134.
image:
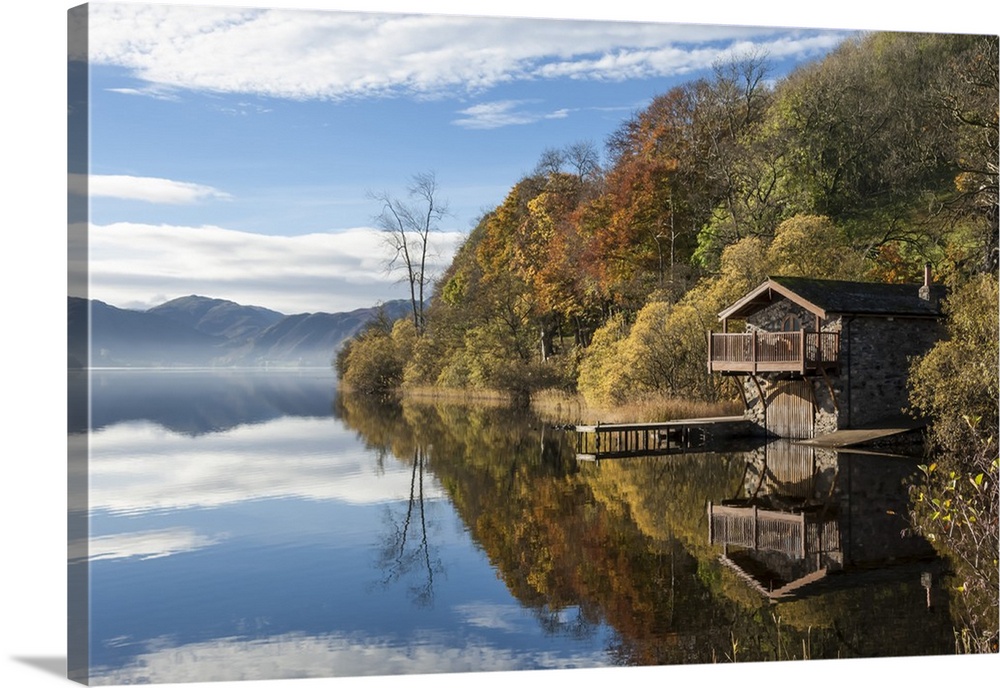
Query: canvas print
x=411, y=344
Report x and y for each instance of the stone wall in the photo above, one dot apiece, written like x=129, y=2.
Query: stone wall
x=875, y=357
x=770, y=319
x=876, y=354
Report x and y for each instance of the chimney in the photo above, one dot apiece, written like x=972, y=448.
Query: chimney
x=925, y=290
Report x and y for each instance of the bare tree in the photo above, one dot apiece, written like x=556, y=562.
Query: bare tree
x=584, y=158
x=550, y=162
x=407, y=226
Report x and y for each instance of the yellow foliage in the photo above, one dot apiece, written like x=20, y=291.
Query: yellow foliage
x=812, y=246
x=602, y=377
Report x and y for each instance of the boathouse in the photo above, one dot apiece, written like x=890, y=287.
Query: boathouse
x=816, y=356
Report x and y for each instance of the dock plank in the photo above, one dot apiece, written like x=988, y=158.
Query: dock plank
x=853, y=436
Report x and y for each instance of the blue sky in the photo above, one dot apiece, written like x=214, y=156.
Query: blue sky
x=232, y=150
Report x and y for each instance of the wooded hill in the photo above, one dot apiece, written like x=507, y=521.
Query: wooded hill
x=601, y=271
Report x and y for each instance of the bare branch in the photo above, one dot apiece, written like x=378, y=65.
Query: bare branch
x=407, y=226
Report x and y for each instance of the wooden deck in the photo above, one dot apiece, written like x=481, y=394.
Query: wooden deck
x=773, y=352
x=854, y=436
x=621, y=440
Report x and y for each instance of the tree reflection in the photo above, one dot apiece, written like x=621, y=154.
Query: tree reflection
x=621, y=545
x=406, y=552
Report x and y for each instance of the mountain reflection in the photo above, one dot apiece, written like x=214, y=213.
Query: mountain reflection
x=627, y=542
x=196, y=402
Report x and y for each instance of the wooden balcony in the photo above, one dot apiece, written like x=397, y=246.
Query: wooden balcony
x=773, y=352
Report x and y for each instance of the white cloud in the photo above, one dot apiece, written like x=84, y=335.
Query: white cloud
x=330, y=55
x=140, y=265
x=148, y=92
x=149, y=189
x=503, y=113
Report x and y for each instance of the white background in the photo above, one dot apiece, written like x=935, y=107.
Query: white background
x=32, y=398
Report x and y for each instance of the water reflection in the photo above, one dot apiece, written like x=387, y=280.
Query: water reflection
x=626, y=542
x=407, y=552
x=273, y=547
x=809, y=512
x=263, y=538
x=224, y=399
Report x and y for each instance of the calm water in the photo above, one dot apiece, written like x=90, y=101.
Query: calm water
x=255, y=525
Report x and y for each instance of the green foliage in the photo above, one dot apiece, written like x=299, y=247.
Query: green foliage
x=957, y=501
x=956, y=508
x=958, y=379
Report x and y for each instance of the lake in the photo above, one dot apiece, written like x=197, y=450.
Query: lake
x=259, y=525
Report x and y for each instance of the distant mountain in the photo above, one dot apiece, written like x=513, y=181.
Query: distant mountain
x=217, y=317
x=201, y=331
x=124, y=337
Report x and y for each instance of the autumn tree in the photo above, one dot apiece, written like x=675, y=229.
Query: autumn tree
x=813, y=246
x=373, y=362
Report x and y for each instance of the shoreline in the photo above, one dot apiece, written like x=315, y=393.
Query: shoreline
x=566, y=408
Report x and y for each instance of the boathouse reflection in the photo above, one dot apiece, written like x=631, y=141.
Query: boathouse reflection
x=803, y=516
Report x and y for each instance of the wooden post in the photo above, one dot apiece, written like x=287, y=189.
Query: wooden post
x=802, y=351
x=753, y=351
x=743, y=392
x=802, y=529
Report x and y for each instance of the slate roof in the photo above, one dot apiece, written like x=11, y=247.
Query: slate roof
x=827, y=297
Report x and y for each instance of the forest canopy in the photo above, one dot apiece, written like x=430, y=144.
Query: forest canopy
x=601, y=271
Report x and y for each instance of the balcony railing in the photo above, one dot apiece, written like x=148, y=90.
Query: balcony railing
x=762, y=352
x=796, y=535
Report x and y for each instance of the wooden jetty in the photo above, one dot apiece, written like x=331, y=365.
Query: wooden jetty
x=888, y=430
x=621, y=440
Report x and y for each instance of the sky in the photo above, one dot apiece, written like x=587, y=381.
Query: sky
x=234, y=152
x=32, y=55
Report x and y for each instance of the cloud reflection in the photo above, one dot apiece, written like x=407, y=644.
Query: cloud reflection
x=140, y=467
x=502, y=617
x=150, y=544
x=296, y=655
